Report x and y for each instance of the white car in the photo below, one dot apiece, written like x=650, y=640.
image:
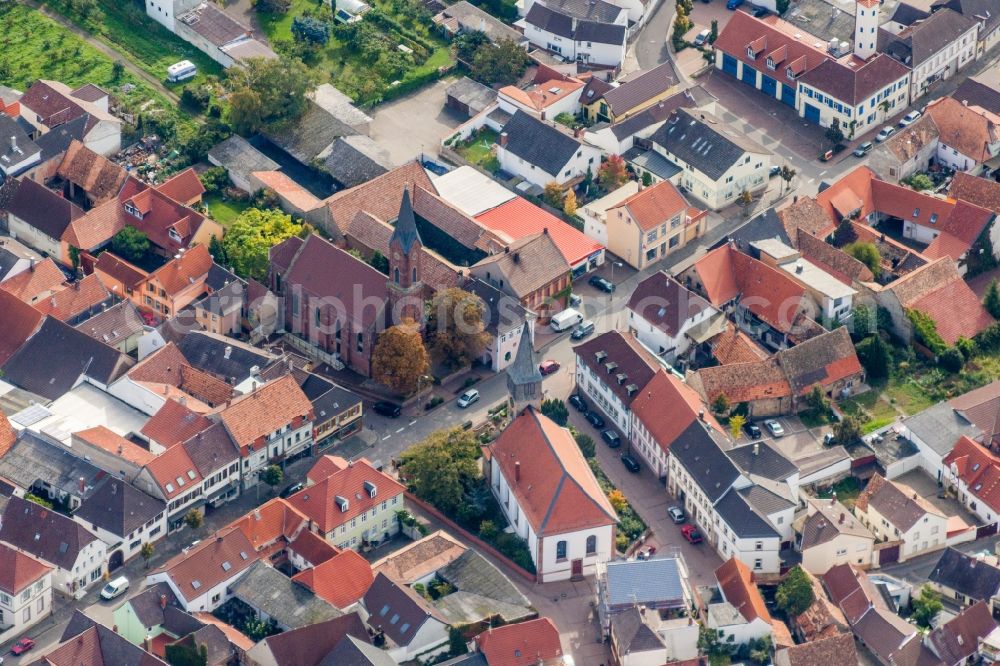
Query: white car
x=774, y=428
x=910, y=118
x=884, y=134
x=467, y=398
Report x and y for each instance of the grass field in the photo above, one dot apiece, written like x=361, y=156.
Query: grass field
x=478, y=149
x=223, y=210
x=36, y=47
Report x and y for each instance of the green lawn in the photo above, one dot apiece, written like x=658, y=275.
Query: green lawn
x=847, y=491
x=873, y=411
x=37, y=47
x=224, y=210
x=479, y=148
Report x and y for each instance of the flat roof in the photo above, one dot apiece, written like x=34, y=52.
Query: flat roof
x=470, y=191
x=519, y=218
x=814, y=277
x=601, y=206
x=86, y=406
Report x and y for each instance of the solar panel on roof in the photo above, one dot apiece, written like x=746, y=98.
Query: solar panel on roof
x=31, y=415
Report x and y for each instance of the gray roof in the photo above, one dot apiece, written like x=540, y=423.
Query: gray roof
x=119, y=507
x=207, y=352
x=966, y=574
x=925, y=39
x=471, y=17
x=586, y=10
x=354, y=160
x=405, y=230
x=21, y=149
x=907, y=14
x=471, y=93
x=641, y=88
x=215, y=25
x=741, y=519
x=703, y=458
x=538, y=143
x=57, y=140
x=505, y=312
x=236, y=154
x=824, y=19
x=760, y=459
x=940, y=426
x=111, y=647
x=767, y=225
x=114, y=325
x=397, y=610
x=652, y=582
x=146, y=604
x=657, y=113
x=35, y=457
x=335, y=401
x=470, y=659
x=980, y=10
x=42, y=208
x=471, y=572
x=651, y=161
x=352, y=652
x=462, y=607
x=524, y=369
x=765, y=501
x=550, y=20
x=289, y=604
x=977, y=93
x=601, y=33
x=43, y=533
x=724, y=614
x=632, y=634
x=309, y=137
x=704, y=142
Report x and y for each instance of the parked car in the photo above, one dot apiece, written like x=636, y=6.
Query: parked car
x=760, y=12
x=829, y=439
x=676, y=514
x=863, y=149
x=575, y=300
x=578, y=403
x=547, y=367
x=774, y=428
x=884, y=134
x=691, y=534
x=595, y=419
x=734, y=4
x=828, y=155
x=910, y=118
x=582, y=330
x=631, y=464
x=774, y=171
x=22, y=646
x=753, y=431
x=386, y=408
x=702, y=37
x=612, y=438
x=603, y=284
x=114, y=588
x=467, y=398
x=645, y=553
x=291, y=489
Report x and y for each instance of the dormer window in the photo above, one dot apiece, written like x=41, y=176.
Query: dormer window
x=132, y=210
x=770, y=62
x=916, y=212
x=370, y=488
x=934, y=218
x=174, y=235
x=790, y=73
x=342, y=503
x=750, y=52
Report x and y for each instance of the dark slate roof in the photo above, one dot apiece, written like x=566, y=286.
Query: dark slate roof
x=641, y=88
x=704, y=460
x=78, y=623
x=504, y=312
x=208, y=353
x=43, y=533
x=86, y=641
x=57, y=140
x=54, y=359
x=119, y=508
x=146, y=604
x=632, y=635
x=179, y=622
x=11, y=129
x=760, y=459
x=708, y=145
x=548, y=20
x=307, y=138
x=386, y=601
x=335, y=401
x=654, y=581
x=764, y=226
x=765, y=501
x=587, y=10
x=977, y=94
x=967, y=575
x=926, y=39
x=907, y=14
x=524, y=369
x=405, y=231
x=42, y=208
x=940, y=426
x=35, y=456
x=211, y=449
x=538, y=143
x=980, y=10
x=601, y=33
x=309, y=645
x=657, y=113
x=218, y=277
x=7, y=261
x=356, y=159
x=743, y=520
x=352, y=652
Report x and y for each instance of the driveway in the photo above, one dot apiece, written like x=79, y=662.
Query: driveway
x=416, y=123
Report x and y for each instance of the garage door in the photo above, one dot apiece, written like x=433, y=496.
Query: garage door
x=729, y=64
x=788, y=95
x=812, y=113
x=768, y=85
x=749, y=75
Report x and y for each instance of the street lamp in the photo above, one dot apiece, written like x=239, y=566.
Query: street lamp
x=613, y=264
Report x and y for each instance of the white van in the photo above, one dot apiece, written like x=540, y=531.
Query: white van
x=115, y=588
x=181, y=71
x=568, y=318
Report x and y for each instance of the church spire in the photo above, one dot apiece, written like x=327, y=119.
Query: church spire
x=405, y=233
x=524, y=380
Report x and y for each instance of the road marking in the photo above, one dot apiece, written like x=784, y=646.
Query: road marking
x=412, y=422
x=823, y=172
x=387, y=437
x=401, y=430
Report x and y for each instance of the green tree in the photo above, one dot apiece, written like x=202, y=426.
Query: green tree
x=736, y=423
x=439, y=468
x=502, y=63
x=556, y=410
x=272, y=6
x=926, y=606
x=182, y=654
x=721, y=404
x=817, y=401
x=310, y=30
x=612, y=173
x=455, y=330
x=251, y=236
x=919, y=181
x=782, y=6
x=991, y=299
x=847, y=431
x=760, y=650
x=130, y=244
x=714, y=32
x=680, y=27
x=272, y=476
x=400, y=358
x=844, y=234
x=709, y=644
x=74, y=258
x=951, y=360
x=795, y=594
x=146, y=552
x=876, y=358
x=835, y=133
x=867, y=254
x=586, y=444
x=647, y=179
x=209, y=133
x=217, y=251
x=686, y=5
x=379, y=262
x=269, y=91
x=745, y=200
x=214, y=179
x=456, y=642
x=117, y=70
x=467, y=43
x=194, y=519
x=787, y=175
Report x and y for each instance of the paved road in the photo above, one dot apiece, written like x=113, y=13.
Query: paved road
x=650, y=47
x=916, y=570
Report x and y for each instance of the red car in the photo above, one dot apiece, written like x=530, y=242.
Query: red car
x=22, y=646
x=691, y=533
x=547, y=367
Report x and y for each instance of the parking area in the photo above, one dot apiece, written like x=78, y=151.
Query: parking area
x=690, y=60
x=416, y=123
x=801, y=445
x=928, y=488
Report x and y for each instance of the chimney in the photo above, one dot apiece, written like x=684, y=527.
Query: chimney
x=503, y=139
x=517, y=472
x=842, y=516
x=227, y=352
x=833, y=500
x=756, y=448
x=83, y=486
x=701, y=413
x=578, y=132
x=542, y=115
x=799, y=267
x=163, y=601
x=13, y=144
x=31, y=266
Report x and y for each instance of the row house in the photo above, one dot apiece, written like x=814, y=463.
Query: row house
x=662, y=312
x=652, y=223
x=972, y=472
x=25, y=591
x=124, y=518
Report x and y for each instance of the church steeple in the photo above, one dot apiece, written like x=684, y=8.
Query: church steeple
x=524, y=380
x=405, y=280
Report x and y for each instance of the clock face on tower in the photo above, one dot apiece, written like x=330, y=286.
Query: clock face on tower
x=395, y=256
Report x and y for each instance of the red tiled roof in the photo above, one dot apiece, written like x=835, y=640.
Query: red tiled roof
x=98, y=176
x=97, y=226
x=180, y=273
x=174, y=423
x=115, y=444
x=667, y=406
x=19, y=322
x=75, y=299
x=271, y=521
x=7, y=435
x=268, y=408
x=379, y=197
x=318, y=502
x=168, y=367
x=519, y=218
x=557, y=489
x=286, y=188
x=313, y=548
x=199, y=570
x=979, y=191
x=955, y=309
x=342, y=580
x=736, y=582
x=174, y=471
x=324, y=467
x=524, y=644
x=160, y=216
x=745, y=382
x=184, y=187
x=40, y=281
x=971, y=130
x=119, y=270
x=850, y=191
x=541, y=96
x=734, y=346
x=767, y=36
x=18, y=570
x=978, y=468
x=652, y=206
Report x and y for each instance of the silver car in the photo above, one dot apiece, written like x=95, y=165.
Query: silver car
x=774, y=428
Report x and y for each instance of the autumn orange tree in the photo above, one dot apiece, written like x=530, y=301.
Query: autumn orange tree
x=455, y=329
x=400, y=359
x=612, y=173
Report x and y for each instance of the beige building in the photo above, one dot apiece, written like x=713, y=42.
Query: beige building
x=830, y=535
x=652, y=223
